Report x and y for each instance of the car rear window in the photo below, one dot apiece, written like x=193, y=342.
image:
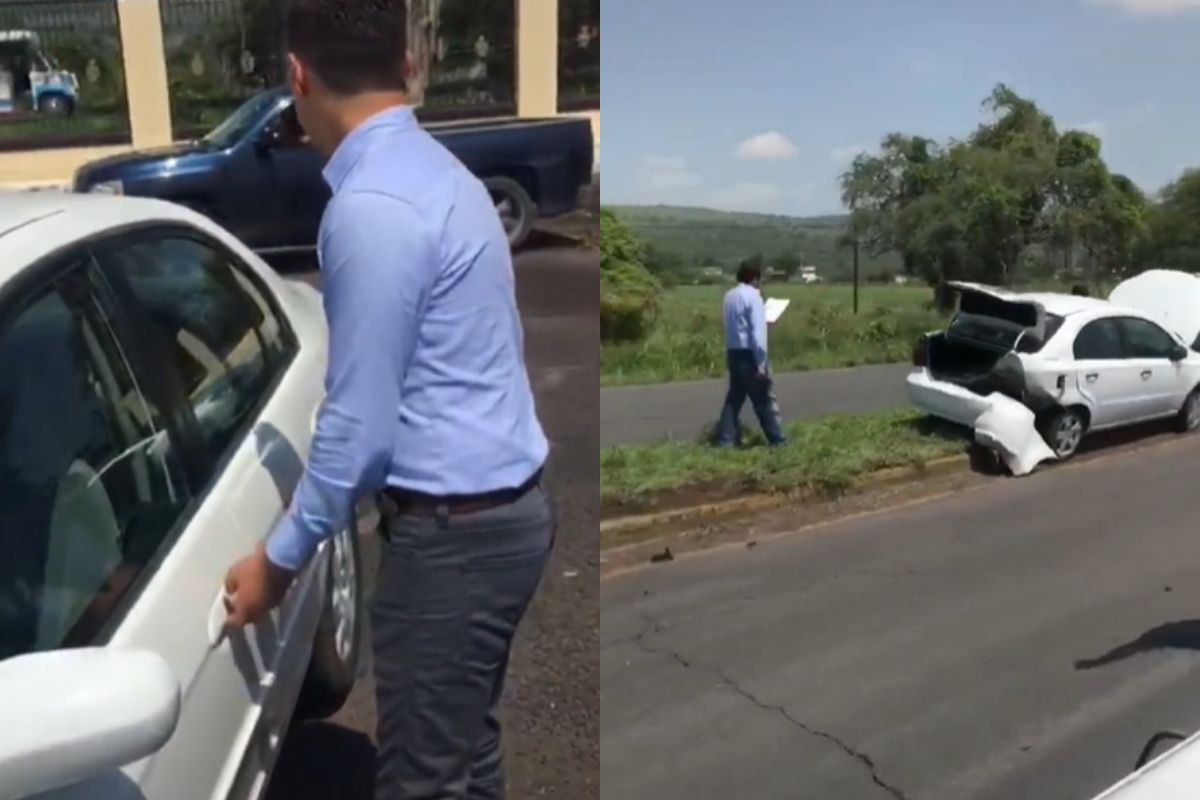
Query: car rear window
x=1000, y=333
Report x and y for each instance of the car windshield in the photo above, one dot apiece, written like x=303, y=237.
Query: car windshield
x=1001, y=334
x=240, y=122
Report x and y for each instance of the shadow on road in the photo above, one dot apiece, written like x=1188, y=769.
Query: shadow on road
x=322, y=760
x=1181, y=635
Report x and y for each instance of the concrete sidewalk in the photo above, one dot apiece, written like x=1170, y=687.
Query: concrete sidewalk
x=636, y=414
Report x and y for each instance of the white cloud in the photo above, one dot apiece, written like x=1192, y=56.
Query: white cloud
x=1150, y=7
x=846, y=153
x=769, y=146
x=758, y=197
x=1096, y=127
x=668, y=172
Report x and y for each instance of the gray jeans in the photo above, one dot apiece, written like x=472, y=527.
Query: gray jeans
x=450, y=595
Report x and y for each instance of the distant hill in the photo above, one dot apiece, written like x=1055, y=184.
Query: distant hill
x=704, y=235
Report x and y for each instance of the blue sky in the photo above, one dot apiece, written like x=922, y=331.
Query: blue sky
x=759, y=105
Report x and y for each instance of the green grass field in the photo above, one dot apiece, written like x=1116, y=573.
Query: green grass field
x=818, y=331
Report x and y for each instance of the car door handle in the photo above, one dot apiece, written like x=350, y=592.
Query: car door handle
x=1092, y=377
x=1146, y=374
x=216, y=619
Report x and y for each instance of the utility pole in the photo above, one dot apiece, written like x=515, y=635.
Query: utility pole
x=856, y=275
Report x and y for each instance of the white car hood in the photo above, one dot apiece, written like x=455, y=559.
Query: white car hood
x=1172, y=298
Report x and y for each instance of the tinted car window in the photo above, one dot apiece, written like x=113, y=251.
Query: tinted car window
x=1144, y=339
x=1099, y=340
x=90, y=485
x=222, y=334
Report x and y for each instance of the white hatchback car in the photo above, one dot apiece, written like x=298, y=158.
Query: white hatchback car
x=158, y=390
x=1080, y=364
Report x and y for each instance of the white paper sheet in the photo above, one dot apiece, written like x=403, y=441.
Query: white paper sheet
x=775, y=307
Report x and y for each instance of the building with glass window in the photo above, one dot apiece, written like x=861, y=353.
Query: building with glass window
x=81, y=79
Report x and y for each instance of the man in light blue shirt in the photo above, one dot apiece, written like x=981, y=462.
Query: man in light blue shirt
x=746, y=354
x=428, y=404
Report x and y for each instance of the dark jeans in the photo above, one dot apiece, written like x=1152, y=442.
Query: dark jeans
x=450, y=595
x=745, y=381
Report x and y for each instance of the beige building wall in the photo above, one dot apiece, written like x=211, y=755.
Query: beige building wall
x=149, y=101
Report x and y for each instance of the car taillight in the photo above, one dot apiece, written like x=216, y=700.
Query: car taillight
x=920, y=352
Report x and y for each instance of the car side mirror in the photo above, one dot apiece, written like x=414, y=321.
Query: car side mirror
x=1179, y=353
x=73, y=715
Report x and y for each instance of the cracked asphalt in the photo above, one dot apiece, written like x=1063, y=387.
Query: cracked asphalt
x=551, y=704
x=1019, y=640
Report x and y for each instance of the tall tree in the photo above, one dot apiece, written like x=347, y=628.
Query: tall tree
x=973, y=208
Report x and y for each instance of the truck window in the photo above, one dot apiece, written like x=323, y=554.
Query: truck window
x=242, y=121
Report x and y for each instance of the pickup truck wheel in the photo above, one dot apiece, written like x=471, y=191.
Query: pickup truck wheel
x=1189, y=415
x=515, y=207
x=1063, y=430
x=333, y=668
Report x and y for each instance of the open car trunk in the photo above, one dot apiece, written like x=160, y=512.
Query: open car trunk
x=978, y=350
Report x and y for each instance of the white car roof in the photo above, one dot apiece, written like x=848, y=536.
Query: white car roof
x=36, y=224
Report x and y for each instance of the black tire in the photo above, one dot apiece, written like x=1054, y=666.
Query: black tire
x=333, y=670
x=1189, y=415
x=56, y=105
x=516, y=209
x=1064, y=429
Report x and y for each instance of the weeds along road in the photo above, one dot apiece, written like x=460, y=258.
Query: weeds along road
x=1019, y=640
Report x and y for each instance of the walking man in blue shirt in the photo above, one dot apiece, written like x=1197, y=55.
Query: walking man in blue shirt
x=428, y=404
x=746, y=353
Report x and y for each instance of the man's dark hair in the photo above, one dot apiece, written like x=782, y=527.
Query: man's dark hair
x=352, y=45
x=749, y=272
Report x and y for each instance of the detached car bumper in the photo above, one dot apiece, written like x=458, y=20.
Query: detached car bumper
x=945, y=400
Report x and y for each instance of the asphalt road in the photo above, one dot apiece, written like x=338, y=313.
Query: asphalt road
x=635, y=414
x=552, y=698
x=1020, y=640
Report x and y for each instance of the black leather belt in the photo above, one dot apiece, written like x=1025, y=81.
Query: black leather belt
x=395, y=500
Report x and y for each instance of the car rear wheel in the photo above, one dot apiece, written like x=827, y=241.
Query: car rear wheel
x=1189, y=415
x=1063, y=430
x=515, y=207
x=338, y=643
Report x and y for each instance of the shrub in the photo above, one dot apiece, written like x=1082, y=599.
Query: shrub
x=628, y=292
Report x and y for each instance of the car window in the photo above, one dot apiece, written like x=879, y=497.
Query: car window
x=90, y=485
x=224, y=338
x=1099, y=341
x=1144, y=339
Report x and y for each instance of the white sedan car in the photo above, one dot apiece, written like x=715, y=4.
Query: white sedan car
x=158, y=390
x=1079, y=364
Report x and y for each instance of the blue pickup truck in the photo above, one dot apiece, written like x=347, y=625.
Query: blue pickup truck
x=257, y=176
